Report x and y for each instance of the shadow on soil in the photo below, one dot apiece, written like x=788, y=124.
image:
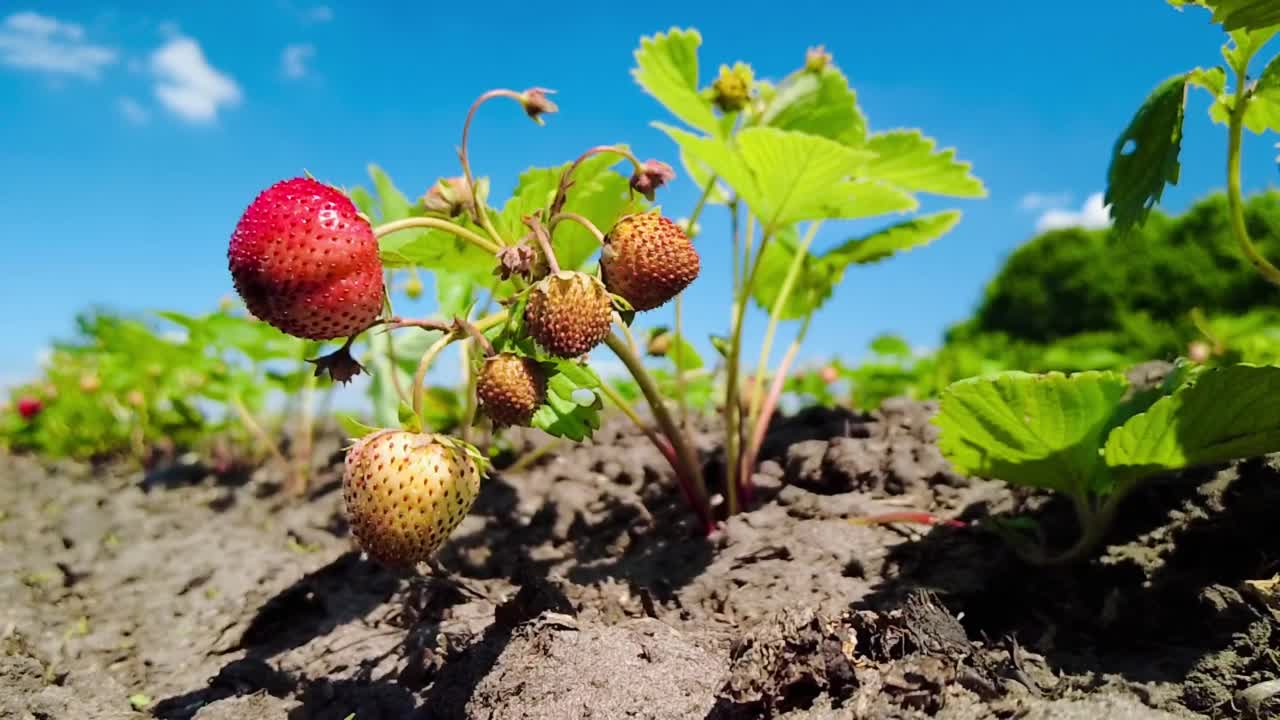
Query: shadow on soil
x=1161, y=604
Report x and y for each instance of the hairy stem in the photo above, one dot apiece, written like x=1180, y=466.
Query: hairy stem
x=420, y=376
x=1235, y=202
x=438, y=224
x=688, y=468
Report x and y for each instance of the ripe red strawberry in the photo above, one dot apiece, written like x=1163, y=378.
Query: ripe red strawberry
x=29, y=407
x=647, y=259
x=568, y=313
x=510, y=388
x=405, y=493
x=306, y=263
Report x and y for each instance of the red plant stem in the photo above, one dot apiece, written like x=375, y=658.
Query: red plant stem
x=557, y=204
x=917, y=517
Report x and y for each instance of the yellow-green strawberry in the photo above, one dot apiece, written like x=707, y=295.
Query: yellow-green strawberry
x=510, y=388
x=647, y=259
x=405, y=492
x=568, y=313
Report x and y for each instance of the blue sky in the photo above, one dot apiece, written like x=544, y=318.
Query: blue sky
x=132, y=137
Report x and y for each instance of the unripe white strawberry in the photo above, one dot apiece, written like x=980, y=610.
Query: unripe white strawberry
x=405, y=493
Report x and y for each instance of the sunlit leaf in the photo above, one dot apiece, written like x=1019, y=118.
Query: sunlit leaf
x=907, y=159
x=785, y=176
x=1031, y=430
x=1239, y=14
x=819, y=104
x=667, y=68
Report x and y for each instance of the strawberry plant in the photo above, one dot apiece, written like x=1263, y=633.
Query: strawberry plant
x=1088, y=435
x=522, y=293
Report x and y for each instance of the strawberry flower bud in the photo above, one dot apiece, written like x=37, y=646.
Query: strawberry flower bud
x=651, y=175
x=536, y=102
x=816, y=59
x=449, y=196
x=731, y=91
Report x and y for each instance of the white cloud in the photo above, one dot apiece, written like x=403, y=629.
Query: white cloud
x=1044, y=201
x=1091, y=216
x=133, y=111
x=319, y=14
x=293, y=61
x=188, y=85
x=31, y=41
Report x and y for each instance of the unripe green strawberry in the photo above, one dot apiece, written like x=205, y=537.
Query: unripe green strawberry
x=568, y=313
x=647, y=259
x=306, y=262
x=405, y=493
x=510, y=388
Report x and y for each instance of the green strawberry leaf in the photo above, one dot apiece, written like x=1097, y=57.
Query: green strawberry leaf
x=819, y=104
x=1263, y=111
x=890, y=345
x=787, y=176
x=1223, y=414
x=684, y=356
x=392, y=203
x=1145, y=156
x=1033, y=430
x=820, y=275
x=574, y=402
x=599, y=193
x=907, y=160
x=667, y=68
x=1243, y=45
x=1238, y=14
x=353, y=428
x=894, y=239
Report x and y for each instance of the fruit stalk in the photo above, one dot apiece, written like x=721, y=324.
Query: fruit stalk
x=478, y=206
x=575, y=217
x=566, y=179
x=775, y=317
x=688, y=469
x=437, y=224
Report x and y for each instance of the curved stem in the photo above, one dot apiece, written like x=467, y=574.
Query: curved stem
x=437, y=224
x=575, y=217
x=482, y=214
x=533, y=455
x=420, y=376
x=688, y=469
x=566, y=179
x=775, y=317
x=1235, y=203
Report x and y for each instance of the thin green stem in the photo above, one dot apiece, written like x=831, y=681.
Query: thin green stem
x=251, y=424
x=733, y=398
x=1235, y=202
x=469, y=396
x=616, y=398
x=775, y=317
x=689, y=469
x=420, y=375
x=581, y=220
x=760, y=422
x=533, y=455
x=437, y=224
